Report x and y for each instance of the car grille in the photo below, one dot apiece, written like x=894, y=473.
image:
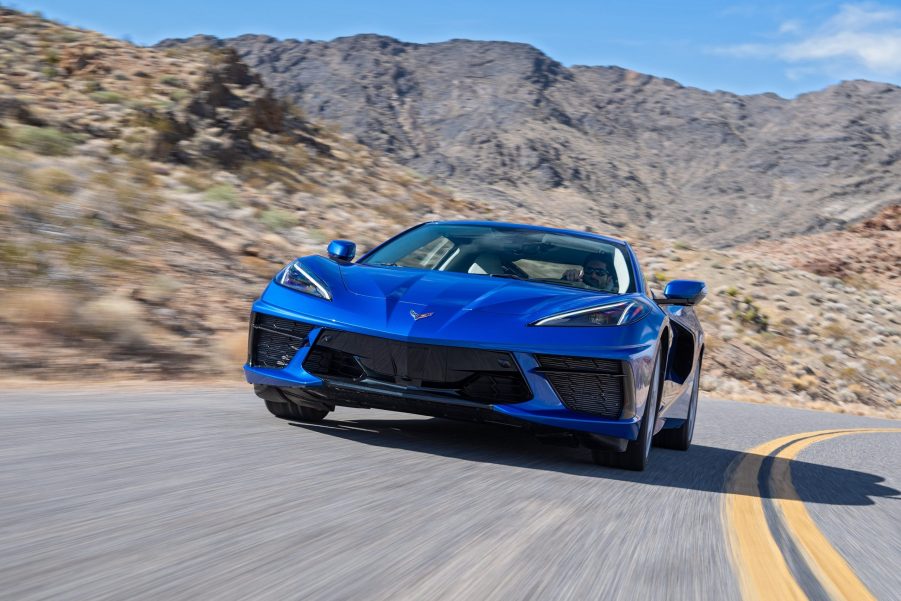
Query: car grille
x=468, y=374
x=274, y=341
x=585, y=384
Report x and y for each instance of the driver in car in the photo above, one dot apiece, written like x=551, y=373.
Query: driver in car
x=597, y=272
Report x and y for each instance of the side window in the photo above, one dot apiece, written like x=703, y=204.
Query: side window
x=429, y=255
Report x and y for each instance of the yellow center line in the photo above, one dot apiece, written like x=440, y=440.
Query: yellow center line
x=830, y=568
x=762, y=570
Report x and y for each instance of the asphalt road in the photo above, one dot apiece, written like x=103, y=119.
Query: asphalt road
x=201, y=494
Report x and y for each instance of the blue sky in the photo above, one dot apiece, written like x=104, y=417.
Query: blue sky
x=787, y=47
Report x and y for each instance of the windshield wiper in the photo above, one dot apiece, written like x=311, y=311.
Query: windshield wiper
x=511, y=276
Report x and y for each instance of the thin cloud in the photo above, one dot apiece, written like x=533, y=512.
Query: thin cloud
x=792, y=26
x=861, y=35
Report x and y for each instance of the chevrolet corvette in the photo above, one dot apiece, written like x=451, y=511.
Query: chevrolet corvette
x=551, y=330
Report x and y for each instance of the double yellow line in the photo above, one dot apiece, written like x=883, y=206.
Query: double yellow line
x=762, y=569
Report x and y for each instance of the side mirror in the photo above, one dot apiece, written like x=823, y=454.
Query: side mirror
x=341, y=250
x=683, y=292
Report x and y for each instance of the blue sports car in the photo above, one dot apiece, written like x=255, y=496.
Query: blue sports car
x=546, y=329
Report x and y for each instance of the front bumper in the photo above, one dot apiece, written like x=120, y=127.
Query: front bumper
x=543, y=409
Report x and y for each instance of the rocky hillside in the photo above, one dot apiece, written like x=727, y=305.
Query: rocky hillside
x=505, y=122
x=867, y=254
x=146, y=196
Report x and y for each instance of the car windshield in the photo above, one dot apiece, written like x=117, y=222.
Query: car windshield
x=551, y=257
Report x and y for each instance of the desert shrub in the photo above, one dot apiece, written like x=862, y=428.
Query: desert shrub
x=836, y=331
x=51, y=57
x=106, y=97
x=222, y=193
x=171, y=80
x=847, y=372
x=142, y=174
x=195, y=181
x=278, y=219
x=804, y=383
x=752, y=316
x=103, y=179
x=319, y=236
x=53, y=180
x=43, y=140
x=112, y=317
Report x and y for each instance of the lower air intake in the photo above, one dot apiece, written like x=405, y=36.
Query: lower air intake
x=587, y=385
x=476, y=375
x=275, y=341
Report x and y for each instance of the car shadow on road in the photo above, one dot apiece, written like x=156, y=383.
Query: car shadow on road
x=701, y=468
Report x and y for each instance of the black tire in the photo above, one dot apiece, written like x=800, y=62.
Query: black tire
x=635, y=457
x=296, y=413
x=680, y=438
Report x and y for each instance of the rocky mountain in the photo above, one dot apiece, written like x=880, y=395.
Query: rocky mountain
x=505, y=122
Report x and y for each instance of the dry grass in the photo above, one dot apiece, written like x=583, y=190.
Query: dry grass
x=233, y=346
x=52, y=180
x=37, y=307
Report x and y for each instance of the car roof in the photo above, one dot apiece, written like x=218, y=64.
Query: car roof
x=540, y=228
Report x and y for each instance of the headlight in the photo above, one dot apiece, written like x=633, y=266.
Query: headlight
x=621, y=313
x=296, y=277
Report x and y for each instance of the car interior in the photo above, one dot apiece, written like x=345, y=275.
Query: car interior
x=511, y=253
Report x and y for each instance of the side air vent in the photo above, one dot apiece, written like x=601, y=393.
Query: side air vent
x=275, y=341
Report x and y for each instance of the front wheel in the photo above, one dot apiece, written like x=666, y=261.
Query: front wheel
x=294, y=412
x=635, y=457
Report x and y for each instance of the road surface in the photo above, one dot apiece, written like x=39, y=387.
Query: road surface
x=201, y=494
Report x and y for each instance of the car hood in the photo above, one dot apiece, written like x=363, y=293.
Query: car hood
x=463, y=292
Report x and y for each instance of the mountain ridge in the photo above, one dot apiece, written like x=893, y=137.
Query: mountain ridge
x=504, y=122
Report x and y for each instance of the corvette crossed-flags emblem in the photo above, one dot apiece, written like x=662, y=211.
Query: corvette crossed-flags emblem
x=417, y=316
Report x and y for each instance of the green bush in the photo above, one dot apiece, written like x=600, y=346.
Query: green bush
x=278, y=219
x=222, y=193
x=51, y=57
x=753, y=317
x=43, y=140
